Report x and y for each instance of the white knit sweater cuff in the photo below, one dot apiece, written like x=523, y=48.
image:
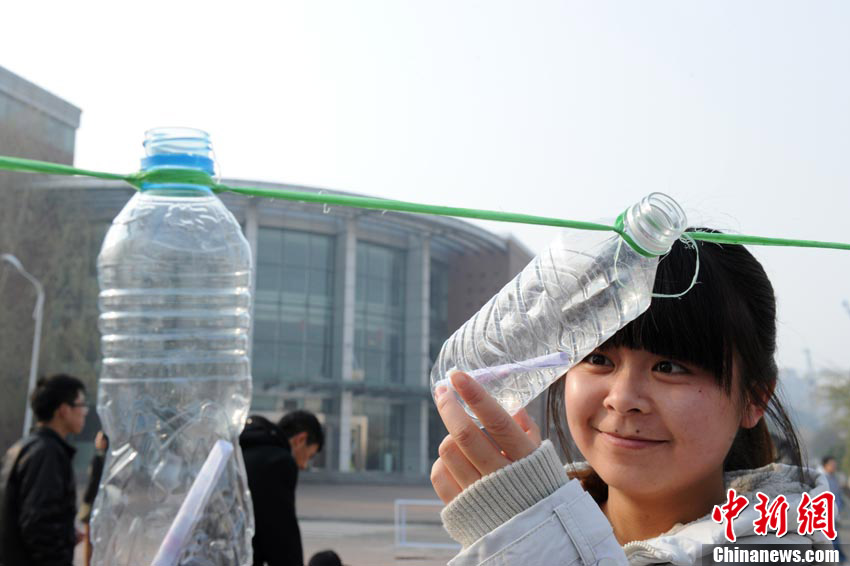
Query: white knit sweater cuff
x=497, y=497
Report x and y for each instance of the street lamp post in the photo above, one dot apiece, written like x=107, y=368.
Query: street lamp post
x=36, y=342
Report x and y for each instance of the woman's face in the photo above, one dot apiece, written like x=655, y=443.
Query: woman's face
x=649, y=425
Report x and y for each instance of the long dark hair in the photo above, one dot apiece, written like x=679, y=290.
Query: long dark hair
x=730, y=314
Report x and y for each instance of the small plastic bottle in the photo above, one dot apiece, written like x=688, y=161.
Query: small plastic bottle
x=570, y=299
x=175, y=279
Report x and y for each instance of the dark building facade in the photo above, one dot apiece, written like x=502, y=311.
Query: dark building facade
x=37, y=125
x=351, y=307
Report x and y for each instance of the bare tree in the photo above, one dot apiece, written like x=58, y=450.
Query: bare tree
x=834, y=389
x=50, y=232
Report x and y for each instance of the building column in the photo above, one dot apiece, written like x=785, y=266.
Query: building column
x=416, y=361
x=346, y=268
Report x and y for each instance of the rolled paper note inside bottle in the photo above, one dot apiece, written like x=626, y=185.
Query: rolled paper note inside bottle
x=193, y=506
x=491, y=374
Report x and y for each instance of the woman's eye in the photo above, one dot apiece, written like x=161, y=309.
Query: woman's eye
x=597, y=360
x=669, y=367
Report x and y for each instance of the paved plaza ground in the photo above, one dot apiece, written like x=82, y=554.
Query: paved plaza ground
x=357, y=521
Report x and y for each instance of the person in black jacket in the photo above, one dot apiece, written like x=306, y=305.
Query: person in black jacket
x=273, y=455
x=101, y=444
x=39, y=493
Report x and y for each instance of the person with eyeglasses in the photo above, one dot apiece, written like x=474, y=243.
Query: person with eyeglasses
x=39, y=496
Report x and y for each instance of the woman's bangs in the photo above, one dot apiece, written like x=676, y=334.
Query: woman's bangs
x=687, y=328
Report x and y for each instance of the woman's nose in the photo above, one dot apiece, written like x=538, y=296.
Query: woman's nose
x=627, y=391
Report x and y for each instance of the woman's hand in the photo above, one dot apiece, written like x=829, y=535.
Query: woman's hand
x=467, y=454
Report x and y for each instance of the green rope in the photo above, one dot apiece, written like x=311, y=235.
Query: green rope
x=193, y=177
x=402, y=206
x=32, y=166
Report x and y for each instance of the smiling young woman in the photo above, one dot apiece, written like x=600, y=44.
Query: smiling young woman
x=669, y=413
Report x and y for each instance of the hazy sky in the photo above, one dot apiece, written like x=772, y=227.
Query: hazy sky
x=739, y=110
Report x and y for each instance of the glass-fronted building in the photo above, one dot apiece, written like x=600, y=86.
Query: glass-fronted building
x=351, y=306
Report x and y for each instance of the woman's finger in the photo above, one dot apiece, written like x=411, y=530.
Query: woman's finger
x=477, y=448
x=530, y=427
x=500, y=426
x=464, y=473
x=444, y=483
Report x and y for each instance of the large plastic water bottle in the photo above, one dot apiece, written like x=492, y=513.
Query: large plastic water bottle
x=175, y=279
x=570, y=299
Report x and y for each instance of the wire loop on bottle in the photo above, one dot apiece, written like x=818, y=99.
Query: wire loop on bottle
x=689, y=241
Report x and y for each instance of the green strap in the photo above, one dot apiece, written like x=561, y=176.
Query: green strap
x=32, y=166
x=620, y=228
x=760, y=241
x=189, y=176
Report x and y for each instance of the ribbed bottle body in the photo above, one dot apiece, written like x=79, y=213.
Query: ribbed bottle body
x=175, y=301
x=571, y=298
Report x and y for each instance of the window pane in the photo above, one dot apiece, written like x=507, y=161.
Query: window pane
x=360, y=291
x=295, y=249
x=396, y=293
x=294, y=281
x=374, y=365
x=439, y=308
x=292, y=361
x=269, y=242
x=379, y=262
x=375, y=292
x=320, y=252
x=293, y=336
x=292, y=331
x=379, y=286
x=394, y=359
x=317, y=330
x=265, y=330
x=265, y=361
x=316, y=363
x=385, y=422
x=319, y=283
x=268, y=276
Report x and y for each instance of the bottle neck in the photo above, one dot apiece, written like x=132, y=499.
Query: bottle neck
x=184, y=168
x=175, y=190
x=182, y=150
x=652, y=225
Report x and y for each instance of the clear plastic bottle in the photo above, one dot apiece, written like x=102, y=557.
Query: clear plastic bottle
x=175, y=301
x=570, y=299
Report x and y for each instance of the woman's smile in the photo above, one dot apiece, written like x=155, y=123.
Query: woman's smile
x=629, y=442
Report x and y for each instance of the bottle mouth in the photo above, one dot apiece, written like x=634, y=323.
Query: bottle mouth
x=655, y=223
x=177, y=147
x=171, y=140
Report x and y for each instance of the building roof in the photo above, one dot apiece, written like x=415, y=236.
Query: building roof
x=36, y=97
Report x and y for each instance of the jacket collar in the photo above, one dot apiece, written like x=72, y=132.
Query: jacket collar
x=49, y=433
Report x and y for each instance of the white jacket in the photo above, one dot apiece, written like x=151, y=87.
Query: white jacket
x=568, y=527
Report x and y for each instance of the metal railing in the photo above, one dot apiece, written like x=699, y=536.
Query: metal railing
x=401, y=539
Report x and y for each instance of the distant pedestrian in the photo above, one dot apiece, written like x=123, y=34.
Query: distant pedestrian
x=101, y=443
x=325, y=558
x=39, y=494
x=273, y=456
x=830, y=467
